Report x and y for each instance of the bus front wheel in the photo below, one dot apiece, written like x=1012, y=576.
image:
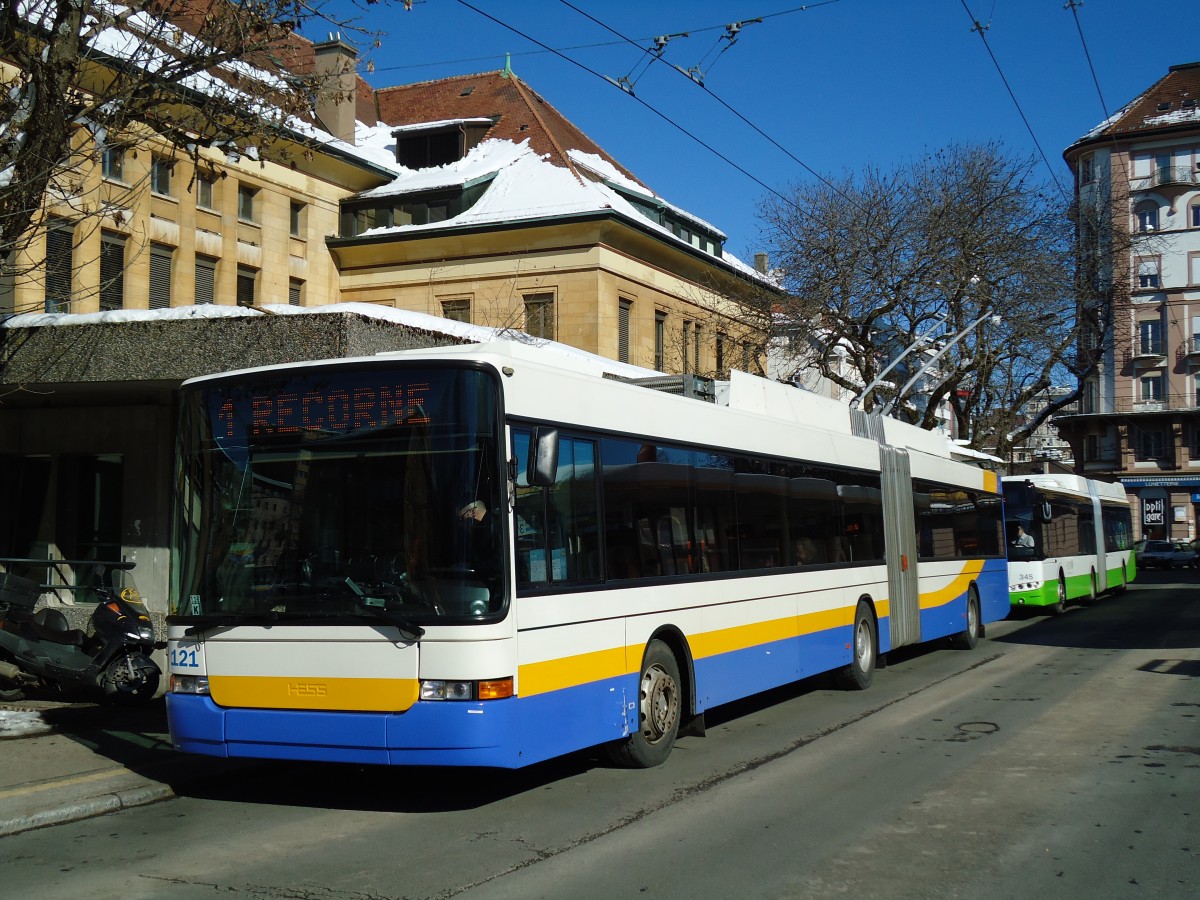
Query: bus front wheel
x=659, y=704
x=1061, y=606
x=861, y=672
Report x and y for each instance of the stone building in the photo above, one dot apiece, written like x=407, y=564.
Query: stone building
x=1139, y=417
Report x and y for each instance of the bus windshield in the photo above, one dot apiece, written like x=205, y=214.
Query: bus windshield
x=340, y=493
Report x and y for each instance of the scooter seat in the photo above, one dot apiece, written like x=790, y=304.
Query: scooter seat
x=51, y=625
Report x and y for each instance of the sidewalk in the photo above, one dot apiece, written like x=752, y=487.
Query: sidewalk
x=64, y=761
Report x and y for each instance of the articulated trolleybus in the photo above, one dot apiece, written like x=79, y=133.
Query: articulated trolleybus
x=479, y=556
x=1075, y=539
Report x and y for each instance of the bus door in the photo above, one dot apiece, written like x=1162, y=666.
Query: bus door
x=904, y=607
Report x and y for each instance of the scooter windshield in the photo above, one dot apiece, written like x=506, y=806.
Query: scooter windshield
x=342, y=492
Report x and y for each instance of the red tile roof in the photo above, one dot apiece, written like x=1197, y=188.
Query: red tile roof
x=1173, y=101
x=520, y=112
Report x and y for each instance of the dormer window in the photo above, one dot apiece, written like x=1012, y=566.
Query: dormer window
x=438, y=143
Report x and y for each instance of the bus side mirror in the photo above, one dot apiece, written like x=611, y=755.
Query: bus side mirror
x=543, y=457
x=1044, y=514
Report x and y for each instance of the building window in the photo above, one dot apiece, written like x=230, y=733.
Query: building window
x=1087, y=169
x=1091, y=397
x=1147, y=273
x=1151, y=388
x=298, y=220
x=1194, y=269
x=1091, y=447
x=160, y=275
x=688, y=360
x=112, y=271
x=539, y=315
x=1150, y=341
x=721, y=340
x=1146, y=214
x=660, y=339
x=1194, y=215
x=624, y=310
x=60, y=247
x=1151, y=444
x=295, y=291
x=246, y=202
x=160, y=175
x=458, y=310
x=112, y=163
x=206, y=279
x=205, y=186
x=247, y=280
x=696, y=338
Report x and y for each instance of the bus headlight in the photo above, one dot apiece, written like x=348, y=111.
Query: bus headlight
x=496, y=689
x=189, y=684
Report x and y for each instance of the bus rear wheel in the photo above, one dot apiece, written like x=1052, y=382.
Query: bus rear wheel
x=659, y=704
x=861, y=672
x=968, y=638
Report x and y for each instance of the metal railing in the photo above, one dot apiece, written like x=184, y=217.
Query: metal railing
x=1162, y=176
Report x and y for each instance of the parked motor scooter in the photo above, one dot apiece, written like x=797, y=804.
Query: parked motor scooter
x=113, y=655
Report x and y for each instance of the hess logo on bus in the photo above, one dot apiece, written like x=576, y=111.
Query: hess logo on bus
x=307, y=689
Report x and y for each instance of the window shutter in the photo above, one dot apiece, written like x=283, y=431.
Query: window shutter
x=59, y=263
x=206, y=279
x=160, y=276
x=112, y=271
x=245, y=285
x=623, y=331
x=295, y=286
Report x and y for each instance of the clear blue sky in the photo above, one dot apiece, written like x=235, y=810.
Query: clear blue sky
x=840, y=84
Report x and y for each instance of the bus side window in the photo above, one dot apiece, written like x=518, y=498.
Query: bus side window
x=557, y=529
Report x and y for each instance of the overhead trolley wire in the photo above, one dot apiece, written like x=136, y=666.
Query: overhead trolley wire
x=981, y=29
x=652, y=109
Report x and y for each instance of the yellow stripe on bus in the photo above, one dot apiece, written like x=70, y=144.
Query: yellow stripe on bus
x=314, y=692
x=954, y=589
x=568, y=671
x=584, y=668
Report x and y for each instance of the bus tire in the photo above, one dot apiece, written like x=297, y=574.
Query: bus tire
x=865, y=648
x=660, y=702
x=1061, y=606
x=968, y=638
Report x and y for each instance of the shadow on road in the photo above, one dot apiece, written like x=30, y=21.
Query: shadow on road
x=1160, y=611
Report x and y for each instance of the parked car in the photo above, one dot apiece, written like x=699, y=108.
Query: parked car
x=1155, y=554
x=1185, y=553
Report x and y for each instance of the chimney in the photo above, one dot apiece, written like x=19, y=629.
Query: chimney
x=761, y=263
x=336, y=92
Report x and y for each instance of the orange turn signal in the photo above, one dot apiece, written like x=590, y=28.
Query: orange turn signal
x=496, y=690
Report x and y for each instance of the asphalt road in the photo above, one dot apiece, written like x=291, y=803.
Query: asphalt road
x=1060, y=758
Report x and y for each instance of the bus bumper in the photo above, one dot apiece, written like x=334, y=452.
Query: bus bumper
x=430, y=733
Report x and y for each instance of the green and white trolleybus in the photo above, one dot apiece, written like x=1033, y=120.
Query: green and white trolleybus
x=479, y=555
x=1068, y=538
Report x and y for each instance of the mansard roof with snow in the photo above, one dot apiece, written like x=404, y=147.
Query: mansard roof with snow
x=487, y=151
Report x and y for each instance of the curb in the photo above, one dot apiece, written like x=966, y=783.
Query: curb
x=86, y=809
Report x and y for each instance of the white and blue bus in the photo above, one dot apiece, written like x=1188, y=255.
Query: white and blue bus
x=1069, y=538
x=478, y=556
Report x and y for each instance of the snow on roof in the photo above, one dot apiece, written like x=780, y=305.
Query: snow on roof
x=441, y=123
x=527, y=186
x=606, y=170
x=479, y=334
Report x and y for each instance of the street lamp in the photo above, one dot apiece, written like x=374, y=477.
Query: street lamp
x=942, y=352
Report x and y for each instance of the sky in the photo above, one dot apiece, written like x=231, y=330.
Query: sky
x=820, y=89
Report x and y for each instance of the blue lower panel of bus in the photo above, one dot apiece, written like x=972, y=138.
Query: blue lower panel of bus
x=500, y=733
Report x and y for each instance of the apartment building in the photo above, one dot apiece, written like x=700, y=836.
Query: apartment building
x=1137, y=180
